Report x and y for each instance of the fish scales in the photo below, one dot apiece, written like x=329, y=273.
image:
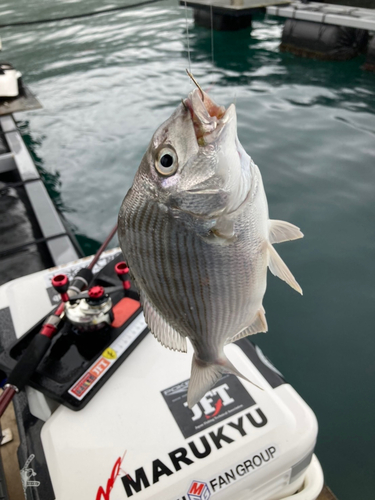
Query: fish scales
x=166, y=257
x=196, y=234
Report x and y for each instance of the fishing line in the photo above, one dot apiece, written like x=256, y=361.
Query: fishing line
x=212, y=38
x=187, y=37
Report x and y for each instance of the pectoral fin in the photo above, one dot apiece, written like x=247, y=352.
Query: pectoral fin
x=161, y=330
x=224, y=228
x=280, y=231
x=258, y=325
x=278, y=268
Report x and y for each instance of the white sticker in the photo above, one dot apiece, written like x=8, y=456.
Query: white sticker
x=203, y=489
x=27, y=473
x=102, y=364
x=243, y=468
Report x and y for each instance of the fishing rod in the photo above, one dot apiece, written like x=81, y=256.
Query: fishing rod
x=33, y=355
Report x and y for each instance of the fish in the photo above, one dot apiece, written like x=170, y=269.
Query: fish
x=195, y=232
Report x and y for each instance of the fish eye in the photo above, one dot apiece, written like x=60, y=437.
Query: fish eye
x=166, y=161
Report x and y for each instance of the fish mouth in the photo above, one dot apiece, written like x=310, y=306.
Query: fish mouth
x=208, y=118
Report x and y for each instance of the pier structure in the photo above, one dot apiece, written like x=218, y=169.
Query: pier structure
x=228, y=15
x=312, y=29
x=339, y=15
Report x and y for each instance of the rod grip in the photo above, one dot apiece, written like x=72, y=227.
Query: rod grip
x=29, y=361
x=5, y=398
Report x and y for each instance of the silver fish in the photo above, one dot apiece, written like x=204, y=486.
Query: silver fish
x=195, y=231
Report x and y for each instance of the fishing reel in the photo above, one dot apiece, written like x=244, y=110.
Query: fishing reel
x=70, y=353
x=92, y=310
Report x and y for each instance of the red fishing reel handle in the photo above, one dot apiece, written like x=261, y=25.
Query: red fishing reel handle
x=60, y=283
x=122, y=272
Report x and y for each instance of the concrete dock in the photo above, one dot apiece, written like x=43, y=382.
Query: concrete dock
x=227, y=15
x=233, y=7
x=326, y=13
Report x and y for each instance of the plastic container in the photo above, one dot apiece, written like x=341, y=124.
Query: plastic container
x=8, y=80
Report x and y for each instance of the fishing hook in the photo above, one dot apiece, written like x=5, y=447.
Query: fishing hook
x=196, y=83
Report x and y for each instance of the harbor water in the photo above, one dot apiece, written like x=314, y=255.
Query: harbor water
x=107, y=82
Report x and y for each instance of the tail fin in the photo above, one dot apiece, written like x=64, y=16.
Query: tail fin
x=205, y=375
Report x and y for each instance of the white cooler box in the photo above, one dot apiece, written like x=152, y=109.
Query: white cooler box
x=137, y=439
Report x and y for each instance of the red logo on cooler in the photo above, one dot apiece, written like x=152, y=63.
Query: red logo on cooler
x=198, y=491
x=218, y=407
x=105, y=494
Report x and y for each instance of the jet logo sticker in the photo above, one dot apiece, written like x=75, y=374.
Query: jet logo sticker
x=225, y=399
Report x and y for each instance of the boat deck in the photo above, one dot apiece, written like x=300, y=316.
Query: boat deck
x=33, y=234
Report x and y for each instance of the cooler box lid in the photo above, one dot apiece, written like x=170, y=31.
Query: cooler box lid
x=138, y=439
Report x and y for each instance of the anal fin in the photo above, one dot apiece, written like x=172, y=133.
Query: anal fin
x=279, y=268
x=258, y=325
x=161, y=330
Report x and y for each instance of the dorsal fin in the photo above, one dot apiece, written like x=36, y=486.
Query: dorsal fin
x=258, y=325
x=161, y=330
x=280, y=231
